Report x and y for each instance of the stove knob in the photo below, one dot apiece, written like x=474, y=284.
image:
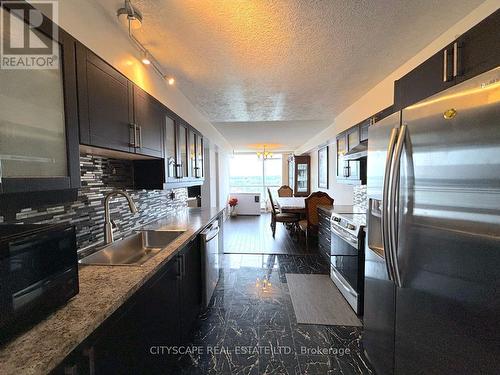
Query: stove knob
x=337, y=219
x=351, y=227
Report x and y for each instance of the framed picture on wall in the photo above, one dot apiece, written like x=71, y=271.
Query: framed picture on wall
x=323, y=167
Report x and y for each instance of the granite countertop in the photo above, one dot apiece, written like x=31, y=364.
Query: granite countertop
x=103, y=289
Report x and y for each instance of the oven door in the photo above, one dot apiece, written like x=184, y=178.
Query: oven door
x=345, y=269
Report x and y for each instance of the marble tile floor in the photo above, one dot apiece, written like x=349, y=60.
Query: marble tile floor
x=250, y=327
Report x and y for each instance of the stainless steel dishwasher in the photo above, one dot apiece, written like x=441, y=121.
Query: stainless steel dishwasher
x=210, y=260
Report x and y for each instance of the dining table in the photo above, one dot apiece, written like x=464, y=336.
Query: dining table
x=292, y=204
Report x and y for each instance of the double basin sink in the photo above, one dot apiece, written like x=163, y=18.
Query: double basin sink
x=134, y=250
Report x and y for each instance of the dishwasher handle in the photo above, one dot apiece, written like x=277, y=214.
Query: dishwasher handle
x=211, y=232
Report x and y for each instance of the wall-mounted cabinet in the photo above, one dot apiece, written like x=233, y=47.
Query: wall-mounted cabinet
x=148, y=124
x=349, y=171
x=39, y=120
x=184, y=156
x=115, y=113
x=473, y=53
x=299, y=173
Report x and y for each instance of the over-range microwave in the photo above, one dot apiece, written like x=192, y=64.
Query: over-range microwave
x=38, y=272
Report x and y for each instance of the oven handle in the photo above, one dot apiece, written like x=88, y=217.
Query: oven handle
x=385, y=205
x=341, y=235
x=393, y=203
x=347, y=287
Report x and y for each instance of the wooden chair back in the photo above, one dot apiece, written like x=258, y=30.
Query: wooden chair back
x=285, y=191
x=271, y=201
x=318, y=198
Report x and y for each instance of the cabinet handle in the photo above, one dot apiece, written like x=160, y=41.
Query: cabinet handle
x=140, y=136
x=457, y=63
x=446, y=62
x=133, y=142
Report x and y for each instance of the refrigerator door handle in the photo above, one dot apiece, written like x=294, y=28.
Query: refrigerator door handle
x=385, y=204
x=393, y=209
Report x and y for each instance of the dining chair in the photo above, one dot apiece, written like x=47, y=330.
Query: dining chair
x=285, y=191
x=278, y=217
x=310, y=224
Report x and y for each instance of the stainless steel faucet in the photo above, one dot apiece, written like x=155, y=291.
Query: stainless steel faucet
x=108, y=225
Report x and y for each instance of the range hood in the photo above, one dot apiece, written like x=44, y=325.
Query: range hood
x=358, y=152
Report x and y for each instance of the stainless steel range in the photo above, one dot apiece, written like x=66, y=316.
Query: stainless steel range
x=347, y=254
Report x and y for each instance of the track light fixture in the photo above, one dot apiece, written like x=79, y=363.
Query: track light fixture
x=132, y=18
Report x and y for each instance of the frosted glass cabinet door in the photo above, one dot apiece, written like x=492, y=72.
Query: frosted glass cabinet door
x=33, y=127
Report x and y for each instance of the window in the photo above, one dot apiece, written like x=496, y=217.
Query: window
x=250, y=174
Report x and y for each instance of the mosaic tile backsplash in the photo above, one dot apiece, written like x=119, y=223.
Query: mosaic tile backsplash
x=100, y=175
x=360, y=197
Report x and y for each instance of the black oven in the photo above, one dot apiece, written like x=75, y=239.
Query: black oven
x=38, y=272
x=347, y=262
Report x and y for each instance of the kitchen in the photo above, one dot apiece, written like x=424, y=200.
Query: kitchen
x=102, y=258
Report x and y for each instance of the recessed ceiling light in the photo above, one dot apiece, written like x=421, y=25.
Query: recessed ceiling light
x=171, y=81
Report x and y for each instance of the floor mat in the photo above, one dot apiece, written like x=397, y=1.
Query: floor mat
x=316, y=300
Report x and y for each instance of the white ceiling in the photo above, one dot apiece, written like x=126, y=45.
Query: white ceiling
x=277, y=72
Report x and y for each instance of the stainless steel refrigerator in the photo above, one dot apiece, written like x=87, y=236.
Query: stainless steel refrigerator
x=432, y=271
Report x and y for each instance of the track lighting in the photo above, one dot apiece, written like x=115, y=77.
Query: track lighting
x=132, y=18
x=145, y=58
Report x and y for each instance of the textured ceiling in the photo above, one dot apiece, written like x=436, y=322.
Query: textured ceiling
x=303, y=61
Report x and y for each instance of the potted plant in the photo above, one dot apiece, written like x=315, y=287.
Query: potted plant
x=233, y=202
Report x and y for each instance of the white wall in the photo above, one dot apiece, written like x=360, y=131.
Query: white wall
x=341, y=193
x=224, y=159
x=378, y=98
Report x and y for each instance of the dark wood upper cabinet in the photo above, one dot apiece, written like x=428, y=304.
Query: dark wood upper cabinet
x=114, y=112
x=473, y=53
x=182, y=131
x=200, y=157
x=149, y=119
x=363, y=131
x=183, y=150
x=170, y=142
x=105, y=103
x=479, y=48
x=192, y=153
x=39, y=124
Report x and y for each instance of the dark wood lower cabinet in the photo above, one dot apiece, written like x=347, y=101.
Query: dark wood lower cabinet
x=324, y=234
x=190, y=279
x=161, y=314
